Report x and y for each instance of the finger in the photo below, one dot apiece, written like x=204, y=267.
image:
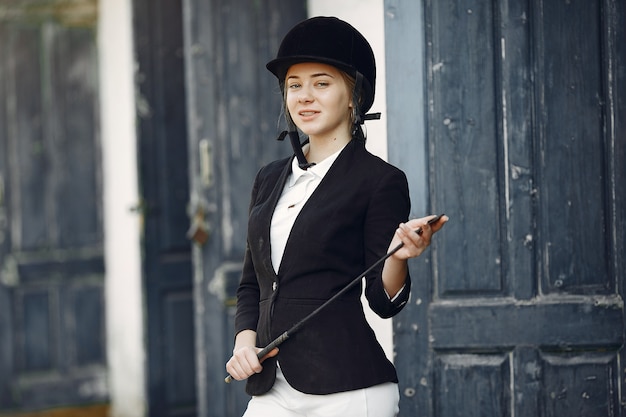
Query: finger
x=242, y=371
x=248, y=361
x=253, y=366
x=409, y=236
x=413, y=243
x=416, y=231
x=439, y=224
x=235, y=370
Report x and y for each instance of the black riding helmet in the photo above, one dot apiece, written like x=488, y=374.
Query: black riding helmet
x=329, y=40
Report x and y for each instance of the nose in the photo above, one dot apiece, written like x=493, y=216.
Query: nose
x=304, y=95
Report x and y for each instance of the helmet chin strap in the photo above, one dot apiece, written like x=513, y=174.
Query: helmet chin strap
x=357, y=131
x=294, y=138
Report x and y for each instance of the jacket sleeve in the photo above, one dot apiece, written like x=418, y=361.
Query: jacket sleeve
x=389, y=206
x=248, y=292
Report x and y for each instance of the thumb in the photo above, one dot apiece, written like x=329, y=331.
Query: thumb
x=271, y=354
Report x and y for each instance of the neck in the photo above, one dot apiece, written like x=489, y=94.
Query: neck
x=321, y=148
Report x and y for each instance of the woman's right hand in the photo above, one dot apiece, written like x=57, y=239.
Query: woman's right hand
x=244, y=361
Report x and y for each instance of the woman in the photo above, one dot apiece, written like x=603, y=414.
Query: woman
x=316, y=221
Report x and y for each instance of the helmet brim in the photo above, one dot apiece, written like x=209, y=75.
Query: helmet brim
x=280, y=66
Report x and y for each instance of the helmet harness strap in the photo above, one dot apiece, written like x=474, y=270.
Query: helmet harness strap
x=359, y=119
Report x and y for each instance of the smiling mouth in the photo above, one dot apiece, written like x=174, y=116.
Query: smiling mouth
x=307, y=113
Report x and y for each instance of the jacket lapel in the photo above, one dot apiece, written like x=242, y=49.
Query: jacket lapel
x=268, y=211
x=336, y=176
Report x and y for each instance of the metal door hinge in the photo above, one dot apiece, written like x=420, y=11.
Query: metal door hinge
x=198, y=211
x=199, y=229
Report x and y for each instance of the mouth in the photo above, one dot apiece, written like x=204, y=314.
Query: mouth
x=307, y=113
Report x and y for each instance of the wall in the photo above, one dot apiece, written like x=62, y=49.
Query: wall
x=123, y=287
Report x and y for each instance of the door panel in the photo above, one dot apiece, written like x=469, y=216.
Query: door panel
x=464, y=119
x=480, y=383
x=51, y=256
x=572, y=147
x=522, y=313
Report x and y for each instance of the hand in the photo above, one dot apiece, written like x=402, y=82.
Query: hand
x=245, y=362
x=414, y=244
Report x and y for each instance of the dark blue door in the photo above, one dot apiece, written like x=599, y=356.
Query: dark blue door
x=52, y=347
x=164, y=178
x=519, y=309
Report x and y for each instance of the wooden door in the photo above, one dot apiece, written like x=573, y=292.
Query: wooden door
x=164, y=178
x=234, y=113
x=518, y=309
x=52, y=349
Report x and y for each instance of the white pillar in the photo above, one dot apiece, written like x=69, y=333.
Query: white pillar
x=123, y=286
x=367, y=16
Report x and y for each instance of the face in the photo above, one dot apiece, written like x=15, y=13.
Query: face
x=318, y=100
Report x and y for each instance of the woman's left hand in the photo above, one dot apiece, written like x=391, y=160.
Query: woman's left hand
x=413, y=243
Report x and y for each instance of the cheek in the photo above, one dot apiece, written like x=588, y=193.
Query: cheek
x=343, y=104
x=290, y=102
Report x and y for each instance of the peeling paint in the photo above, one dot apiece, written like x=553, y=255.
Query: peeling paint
x=438, y=66
x=518, y=171
x=528, y=240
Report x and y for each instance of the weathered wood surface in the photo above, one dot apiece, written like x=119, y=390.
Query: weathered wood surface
x=51, y=256
x=518, y=309
x=164, y=179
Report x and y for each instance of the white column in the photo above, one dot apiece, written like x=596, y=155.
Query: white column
x=367, y=16
x=123, y=286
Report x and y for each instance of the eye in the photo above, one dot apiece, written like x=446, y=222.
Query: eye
x=293, y=86
x=322, y=84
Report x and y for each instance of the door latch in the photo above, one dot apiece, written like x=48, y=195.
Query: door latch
x=206, y=163
x=199, y=229
x=9, y=273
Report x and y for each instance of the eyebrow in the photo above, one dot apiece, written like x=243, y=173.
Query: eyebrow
x=317, y=74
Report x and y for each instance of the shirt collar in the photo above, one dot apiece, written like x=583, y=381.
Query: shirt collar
x=317, y=170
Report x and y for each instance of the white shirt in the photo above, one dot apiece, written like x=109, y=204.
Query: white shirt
x=298, y=188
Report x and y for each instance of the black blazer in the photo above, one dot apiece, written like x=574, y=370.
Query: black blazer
x=344, y=227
